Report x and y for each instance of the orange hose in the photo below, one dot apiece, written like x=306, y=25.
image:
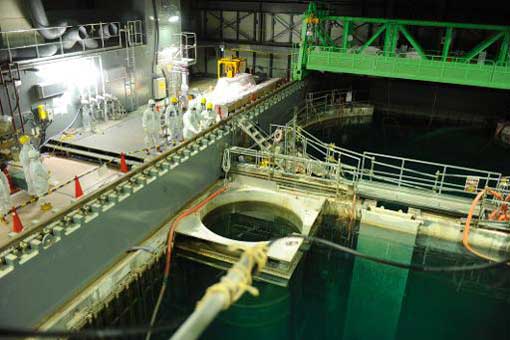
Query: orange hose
x=465, y=237
x=173, y=227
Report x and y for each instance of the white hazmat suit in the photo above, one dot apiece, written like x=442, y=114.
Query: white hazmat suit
x=151, y=122
x=191, y=120
x=209, y=117
x=24, y=158
x=86, y=118
x=5, y=194
x=174, y=123
x=39, y=174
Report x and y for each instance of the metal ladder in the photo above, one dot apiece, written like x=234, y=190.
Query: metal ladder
x=255, y=133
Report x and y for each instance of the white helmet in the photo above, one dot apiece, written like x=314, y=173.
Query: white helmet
x=151, y=102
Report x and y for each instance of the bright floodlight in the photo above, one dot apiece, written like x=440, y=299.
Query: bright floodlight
x=174, y=18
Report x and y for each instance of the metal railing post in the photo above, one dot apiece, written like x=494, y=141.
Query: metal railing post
x=372, y=167
x=402, y=165
x=438, y=173
x=442, y=180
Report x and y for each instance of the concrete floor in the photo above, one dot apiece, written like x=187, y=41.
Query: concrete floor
x=62, y=170
x=124, y=135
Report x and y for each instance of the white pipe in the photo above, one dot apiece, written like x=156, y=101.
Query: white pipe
x=216, y=300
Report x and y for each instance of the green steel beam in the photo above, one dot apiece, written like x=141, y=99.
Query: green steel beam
x=451, y=72
x=394, y=38
x=483, y=45
x=299, y=66
x=372, y=38
x=412, y=41
x=345, y=34
x=418, y=23
x=503, y=50
x=447, y=43
x=439, y=68
x=388, y=39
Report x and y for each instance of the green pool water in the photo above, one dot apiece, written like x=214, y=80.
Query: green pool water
x=335, y=296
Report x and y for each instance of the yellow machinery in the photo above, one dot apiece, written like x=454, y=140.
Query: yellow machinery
x=230, y=66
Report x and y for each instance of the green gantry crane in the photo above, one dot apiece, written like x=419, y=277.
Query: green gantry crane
x=319, y=51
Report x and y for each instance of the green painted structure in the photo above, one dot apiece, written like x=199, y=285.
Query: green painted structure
x=318, y=51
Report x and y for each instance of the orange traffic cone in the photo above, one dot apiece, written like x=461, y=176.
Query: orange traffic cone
x=78, y=191
x=17, y=226
x=123, y=164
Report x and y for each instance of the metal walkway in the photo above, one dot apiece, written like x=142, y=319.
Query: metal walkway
x=409, y=182
x=319, y=50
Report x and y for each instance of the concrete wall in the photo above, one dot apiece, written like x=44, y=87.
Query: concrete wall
x=13, y=17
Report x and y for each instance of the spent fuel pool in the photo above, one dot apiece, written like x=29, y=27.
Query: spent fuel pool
x=335, y=296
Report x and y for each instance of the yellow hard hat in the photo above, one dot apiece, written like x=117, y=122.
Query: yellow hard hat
x=203, y=100
x=24, y=139
x=209, y=106
x=173, y=100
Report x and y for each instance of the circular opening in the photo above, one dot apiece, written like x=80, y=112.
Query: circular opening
x=252, y=221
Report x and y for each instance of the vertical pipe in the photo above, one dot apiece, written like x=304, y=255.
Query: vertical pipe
x=238, y=24
x=291, y=27
x=4, y=81
x=271, y=57
x=103, y=85
x=254, y=26
x=17, y=96
x=221, y=25
x=272, y=27
x=262, y=25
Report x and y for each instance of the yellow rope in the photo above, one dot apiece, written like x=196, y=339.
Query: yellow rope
x=232, y=291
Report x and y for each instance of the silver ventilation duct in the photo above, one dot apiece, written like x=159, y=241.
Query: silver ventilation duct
x=40, y=21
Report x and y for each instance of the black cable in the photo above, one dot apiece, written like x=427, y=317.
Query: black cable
x=415, y=267
x=62, y=131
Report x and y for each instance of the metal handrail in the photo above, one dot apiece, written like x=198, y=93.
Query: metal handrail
x=400, y=171
x=287, y=164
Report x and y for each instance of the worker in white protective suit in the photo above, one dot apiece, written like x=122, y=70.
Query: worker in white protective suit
x=5, y=195
x=174, y=122
x=26, y=148
x=209, y=117
x=165, y=127
x=151, y=122
x=203, y=104
x=87, y=120
x=40, y=177
x=191, y=120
